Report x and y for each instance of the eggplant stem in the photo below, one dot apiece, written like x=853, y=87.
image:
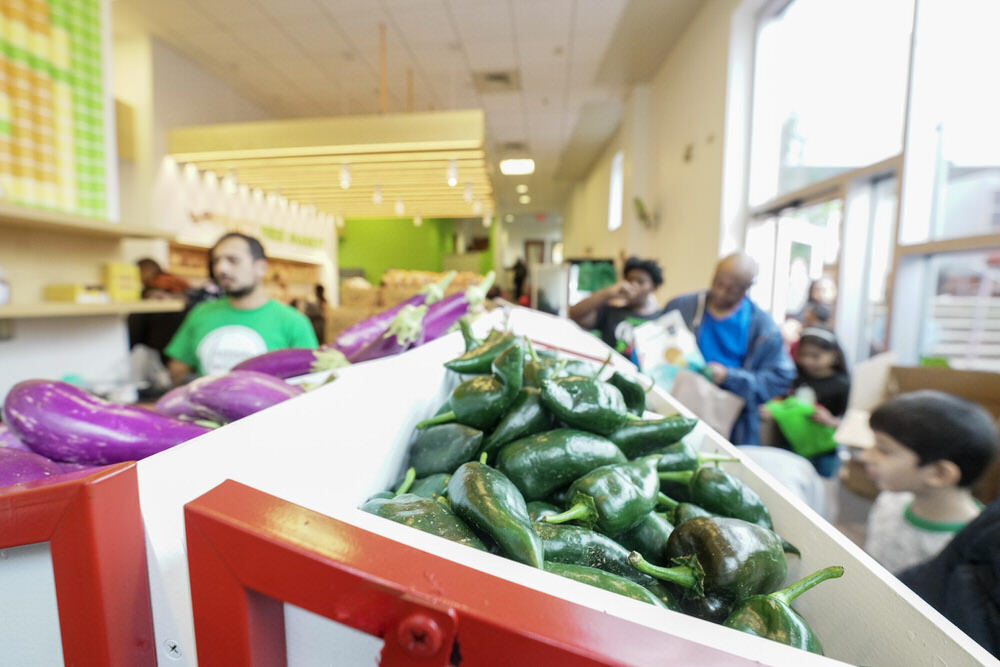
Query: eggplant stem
x=411, y=474
x=799, y=587
x=443, y=418
x=579, y=511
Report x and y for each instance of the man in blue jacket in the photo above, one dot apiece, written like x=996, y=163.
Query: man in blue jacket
x=742, y=345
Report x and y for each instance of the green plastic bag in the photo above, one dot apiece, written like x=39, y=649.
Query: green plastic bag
x=806, y=437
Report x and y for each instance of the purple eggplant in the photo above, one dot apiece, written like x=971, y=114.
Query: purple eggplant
x=66, y=423
x=294, y=361
x=18, y=466
x=75, y=467
x=443, y=315
x=9, y=440
x=354, y=338
x=403, y=332
x=237, y=394
x=175, y=403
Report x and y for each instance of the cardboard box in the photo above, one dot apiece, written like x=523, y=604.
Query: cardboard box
x=73, y=293
x=339, y=318
x=122, y=281
x=395, y=295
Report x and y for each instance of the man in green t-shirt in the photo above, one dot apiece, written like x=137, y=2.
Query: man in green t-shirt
x=217, y=335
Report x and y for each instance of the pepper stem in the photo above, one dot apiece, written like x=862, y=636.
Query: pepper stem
x=411, y=475
x=443, y=501
x=633, y=417
x=651, y=385
x=799, y=587
x=666, y=501
x=578, y=512
x=716, y=458
x=443, y=418
x=682, y=575
x=471, y=342
x=531, y=349
x=482, y=458
x=601, y=369
x=560, y=367
x=682, y=476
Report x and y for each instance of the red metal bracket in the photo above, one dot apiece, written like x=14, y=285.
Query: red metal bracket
x=93, y=525
x=249, y=551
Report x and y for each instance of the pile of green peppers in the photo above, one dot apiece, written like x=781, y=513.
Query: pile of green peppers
x=539, y=459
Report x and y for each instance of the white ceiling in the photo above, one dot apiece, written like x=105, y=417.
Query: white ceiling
x=303, y=58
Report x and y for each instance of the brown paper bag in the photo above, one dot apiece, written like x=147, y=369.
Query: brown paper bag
x=715, y=406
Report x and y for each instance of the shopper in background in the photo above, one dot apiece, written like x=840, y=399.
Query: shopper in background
x=157, y=283
x=930, y=447
x=963, y=581
x=614, y=311
x=217, y=335
x=742, y=345
x=520, y=275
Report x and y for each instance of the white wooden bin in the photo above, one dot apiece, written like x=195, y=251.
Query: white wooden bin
x=330, y=449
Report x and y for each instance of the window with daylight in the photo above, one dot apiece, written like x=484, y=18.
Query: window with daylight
x=616, y=191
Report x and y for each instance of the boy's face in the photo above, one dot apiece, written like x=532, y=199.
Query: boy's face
x=892, y=466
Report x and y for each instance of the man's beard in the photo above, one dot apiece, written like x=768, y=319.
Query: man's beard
x=239, y=292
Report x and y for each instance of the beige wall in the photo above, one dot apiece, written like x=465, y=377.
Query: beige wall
x=672, y=134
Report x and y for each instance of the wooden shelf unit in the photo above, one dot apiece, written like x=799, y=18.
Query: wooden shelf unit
x=298, y=277
x=58, y=309
x=51, y=221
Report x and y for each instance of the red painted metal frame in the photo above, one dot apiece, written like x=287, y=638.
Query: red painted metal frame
x=249, y=551
x=93, y=525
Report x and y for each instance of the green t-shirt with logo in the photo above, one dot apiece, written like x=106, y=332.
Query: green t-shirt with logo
x=214, y=336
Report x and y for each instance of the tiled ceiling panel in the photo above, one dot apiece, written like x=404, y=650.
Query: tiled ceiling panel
x=321, y=57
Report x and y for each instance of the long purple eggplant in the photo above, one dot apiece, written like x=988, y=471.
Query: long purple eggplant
x=175, y=403
x=404, y=330
x=18, y=466
x=65, y=423
x=352, y=339
x=9, y=440
x=237, y=394
x=294, y=361
x=443, y=315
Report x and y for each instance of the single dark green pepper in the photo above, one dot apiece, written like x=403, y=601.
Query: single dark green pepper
x=424, y=514
x=586, y=404
x=490, y=503
x=480, y=359
x=605, y=580
x=539, y=508
x=678, y=512
x=708, y=608
x=728, y=558
x=544, y=462
x=580, y=546
x=431, y=486
x=613, y=497
x=633, y=393
x=719, y=492
x=539, y=367
x=444, y=447
x=649, y=537
x=480, y=401
x=525, y=416
x=639, y=438
x=683, y=456
x=771, y=616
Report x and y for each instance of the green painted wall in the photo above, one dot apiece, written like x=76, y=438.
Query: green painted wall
x=377, y=245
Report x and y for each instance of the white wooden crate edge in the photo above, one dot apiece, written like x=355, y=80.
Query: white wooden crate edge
x=329, y=449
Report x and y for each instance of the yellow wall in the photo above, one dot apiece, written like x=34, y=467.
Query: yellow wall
x=684, y=106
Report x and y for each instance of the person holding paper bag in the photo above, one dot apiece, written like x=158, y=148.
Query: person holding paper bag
x=742, y=346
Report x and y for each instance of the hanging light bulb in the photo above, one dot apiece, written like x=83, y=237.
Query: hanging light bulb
x=487, y=218
x=452, y=174
x=229, y=185
x=418, y=220
x=293, y=207
x=400, y=209
x=477, y=207
x=377, y=195
x=191, y=171
x=345, y=176
x=467, y=195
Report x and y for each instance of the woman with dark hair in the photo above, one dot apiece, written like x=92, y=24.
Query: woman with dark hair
x=613, y=311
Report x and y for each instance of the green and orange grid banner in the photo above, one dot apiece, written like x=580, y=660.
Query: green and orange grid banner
x=52, y=129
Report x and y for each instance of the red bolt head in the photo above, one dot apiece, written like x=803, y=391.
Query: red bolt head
x=419, y=635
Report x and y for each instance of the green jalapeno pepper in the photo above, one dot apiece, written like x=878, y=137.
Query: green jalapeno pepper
x=424, y=514
x=649, y=537
x=480, y=401
x=772, y=617
x=541, y=463
x=605, y=580
x=579, y=546
x=525, y=416
x=490, y=503
x=444, y=447
x=633, y=393
x=613, y=497
x=683, y=456
x=431, y=486
x=480, y=359
x=539, y=508
x=539, y=367
x=639, y=438
x=586, y=404
x=678, y=512
x=728, y=558
x=719, y=492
